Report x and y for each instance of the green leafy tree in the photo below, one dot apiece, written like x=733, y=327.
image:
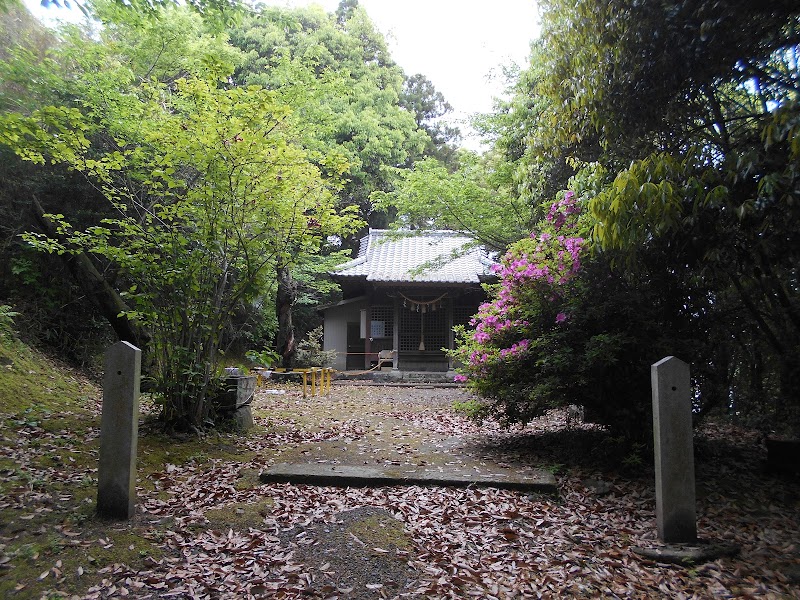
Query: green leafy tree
x=496, y=197
x=71, y=67
x=521, y=129
x=217, y=11
x=59, y=312
x=477, y=199
x=549, y=338
x=210, y=195
x=337, y=73
x=676, y=123
x=209, y=189
x=429, y=106
x=692, y=108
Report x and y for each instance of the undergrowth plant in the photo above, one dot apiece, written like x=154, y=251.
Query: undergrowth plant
x=310, y=352
x=7, y=315
x=562, y=328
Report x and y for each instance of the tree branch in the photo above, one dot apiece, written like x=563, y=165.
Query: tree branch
x=94, y=285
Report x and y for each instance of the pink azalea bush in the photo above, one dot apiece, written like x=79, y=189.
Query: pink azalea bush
x=534, y=274
x=562, y=328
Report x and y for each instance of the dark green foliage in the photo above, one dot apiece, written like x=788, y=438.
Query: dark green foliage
x=429, y=106
x=686, y=118
x=310, y=352
x=205, y=190
x=336, y=71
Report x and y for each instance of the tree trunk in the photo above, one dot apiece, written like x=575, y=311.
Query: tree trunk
x=287, y=295
x=788, y=413
x=95, y=286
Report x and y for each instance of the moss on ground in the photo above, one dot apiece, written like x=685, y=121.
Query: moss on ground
x=239, y=516
x=158, y=449
x=51, y=542
x=33, y=386
x=248, y=479
x=52, y=565
x=380, y=531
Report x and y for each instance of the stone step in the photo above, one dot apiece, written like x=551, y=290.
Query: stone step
x=401, y=377
x=322, y=474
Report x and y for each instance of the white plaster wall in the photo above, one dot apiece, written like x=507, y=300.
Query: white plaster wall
x=335, y=330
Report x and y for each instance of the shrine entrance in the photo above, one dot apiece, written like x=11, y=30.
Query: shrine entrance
x=425, y=329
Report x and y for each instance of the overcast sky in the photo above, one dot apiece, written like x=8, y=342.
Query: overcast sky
x=460, y=45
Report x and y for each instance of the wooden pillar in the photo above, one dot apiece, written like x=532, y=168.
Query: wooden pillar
x=396, y=334
x=450, y=307
x=368, y=334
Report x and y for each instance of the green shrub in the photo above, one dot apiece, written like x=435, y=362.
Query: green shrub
x=563, y=328
x=7, y=315
x=310, y=352
x=263, y=358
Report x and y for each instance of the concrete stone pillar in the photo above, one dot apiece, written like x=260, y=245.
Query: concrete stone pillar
x=119, y=430
x=676, y=515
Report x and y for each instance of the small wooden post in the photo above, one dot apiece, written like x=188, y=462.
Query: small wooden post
x=676, y=515
x=119, y=427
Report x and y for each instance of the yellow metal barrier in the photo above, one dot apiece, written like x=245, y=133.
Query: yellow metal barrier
x=318, y=387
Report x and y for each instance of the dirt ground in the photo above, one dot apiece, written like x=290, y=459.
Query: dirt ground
x=206, y=527
x=507, y=544
x=387, y=426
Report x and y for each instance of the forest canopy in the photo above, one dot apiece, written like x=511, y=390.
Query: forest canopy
x=640, y=181
x=671, y=129
x=197, y=189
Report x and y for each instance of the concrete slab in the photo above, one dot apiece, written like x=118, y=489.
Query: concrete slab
x=376, y=476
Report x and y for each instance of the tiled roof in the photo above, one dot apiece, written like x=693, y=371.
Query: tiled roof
x=429, y=257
